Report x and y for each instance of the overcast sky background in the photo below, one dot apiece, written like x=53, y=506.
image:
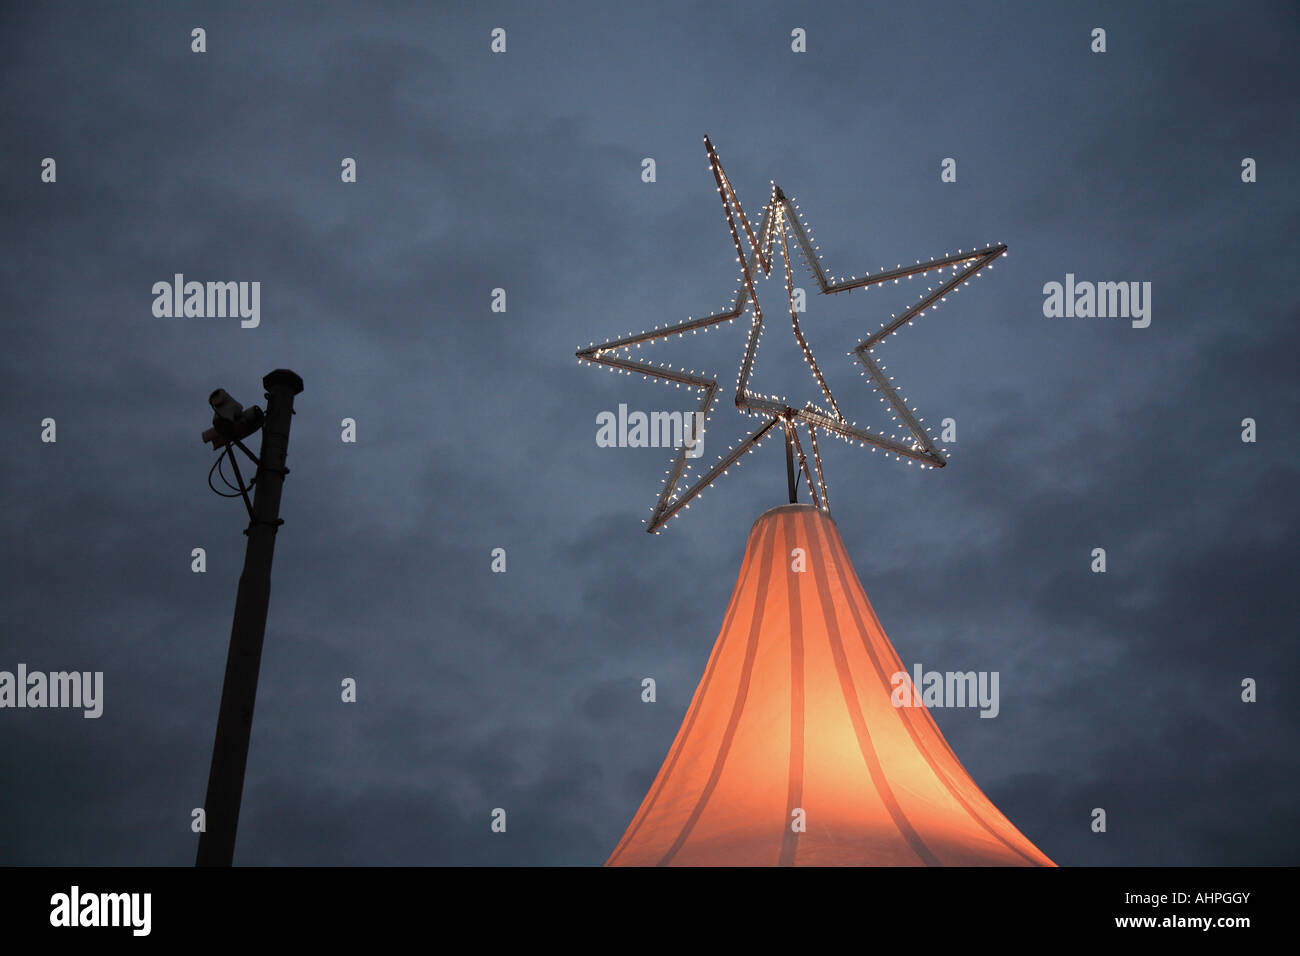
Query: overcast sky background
x=477, y=430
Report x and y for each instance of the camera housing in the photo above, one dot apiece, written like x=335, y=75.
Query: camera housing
x=231, y=421
x=224, y=406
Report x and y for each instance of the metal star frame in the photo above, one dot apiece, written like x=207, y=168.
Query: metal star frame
x=781, y=217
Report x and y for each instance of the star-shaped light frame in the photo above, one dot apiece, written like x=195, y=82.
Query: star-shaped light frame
x=781, y=217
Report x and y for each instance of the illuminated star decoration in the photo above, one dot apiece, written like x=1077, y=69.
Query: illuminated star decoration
x=781, y=217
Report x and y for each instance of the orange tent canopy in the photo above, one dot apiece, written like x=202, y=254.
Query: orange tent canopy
x=792, y=752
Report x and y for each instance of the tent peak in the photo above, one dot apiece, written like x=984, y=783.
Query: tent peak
x=800, y=506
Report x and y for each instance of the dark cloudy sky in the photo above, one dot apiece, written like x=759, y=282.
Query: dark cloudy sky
x=476, y=430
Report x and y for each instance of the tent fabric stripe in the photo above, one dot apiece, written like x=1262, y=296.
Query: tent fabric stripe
x=860, y=725
x=790, y=840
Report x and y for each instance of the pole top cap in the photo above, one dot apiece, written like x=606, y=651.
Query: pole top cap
x=282, y=378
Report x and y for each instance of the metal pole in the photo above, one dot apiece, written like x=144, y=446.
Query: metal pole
x=239, y=689
x=789, y=461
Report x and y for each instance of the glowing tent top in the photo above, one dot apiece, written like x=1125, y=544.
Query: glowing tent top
x=792, y=751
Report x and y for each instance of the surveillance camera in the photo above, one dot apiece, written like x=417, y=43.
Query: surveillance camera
x=226, y=408
x=230, y=420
